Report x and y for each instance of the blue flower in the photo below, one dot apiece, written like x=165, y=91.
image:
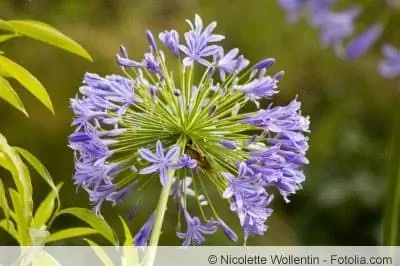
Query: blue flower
x=336, y=26
x=228, y=63
x=363, y=42
x=142, y=237
x=171, y=40
x=389, y=67
x=195, y=230
x=161, y=162
x=197, y=46
x=185, y=133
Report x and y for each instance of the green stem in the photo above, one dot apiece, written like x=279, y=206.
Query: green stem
x=159, y=219
x=158, y=222
x=391, y=218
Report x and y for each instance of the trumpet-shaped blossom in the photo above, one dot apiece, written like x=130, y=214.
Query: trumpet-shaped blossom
x=187, y=134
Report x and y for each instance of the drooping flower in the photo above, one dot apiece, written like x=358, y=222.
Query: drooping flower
x=389, y=67
x=184, y=133
x=195, y=230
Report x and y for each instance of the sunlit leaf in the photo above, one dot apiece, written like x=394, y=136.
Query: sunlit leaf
x=131, y=257
x=4, y=25
x=95, y=221
x=46, y=33
x=46, y=209
x=5, y=162
x=20, y=219
x=3, y=201
x=70, y=233
x=101, y=254
x=29, y=81
x=6, y=37
x=22, y=182
x=9, y=227
x=8, y=94
x=40, y=169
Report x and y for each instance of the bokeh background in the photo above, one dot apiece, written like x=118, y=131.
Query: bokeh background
x=351, y=107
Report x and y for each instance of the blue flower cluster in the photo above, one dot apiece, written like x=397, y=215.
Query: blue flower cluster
x=189, y=135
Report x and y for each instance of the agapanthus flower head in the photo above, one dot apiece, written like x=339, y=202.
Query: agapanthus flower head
x=188, y=133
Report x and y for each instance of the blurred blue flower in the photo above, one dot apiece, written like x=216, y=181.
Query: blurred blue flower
x=361, y=44
x=389, y=67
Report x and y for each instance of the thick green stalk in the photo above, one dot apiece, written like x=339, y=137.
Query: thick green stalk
x=391, y=218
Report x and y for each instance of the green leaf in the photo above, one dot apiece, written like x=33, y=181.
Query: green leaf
x=105, y=259
x=127, y=233
x=8, y=94
x=20, y=219
x=4, y=25
x=40, y=169
x=95, y=221
x=24, y=77
x=131, y=257
x=6, y=37
x=23, y=183
x=46, y=33
x=70, y=233
x=3, y=201
x=46, y=209
x=4, y=162
x=9, y=227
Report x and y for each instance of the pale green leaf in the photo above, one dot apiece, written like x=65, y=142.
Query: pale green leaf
x=48, y=34
x=101, y=254
x=40, y=169
x=4, y=25
x=127, y=233
x=46, y=209
x=95, y=221
x=9, y=227
x=26, y=79
x=6, y=37
x=5, y=162
x=8, y=94
x=22, y=182
x=20, y=219
x=70, y=233
x=3, y=201
x=131, y=257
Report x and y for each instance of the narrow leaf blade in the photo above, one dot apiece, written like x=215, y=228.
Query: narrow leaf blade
x=27, y=80
x=101, y=254
x=70, y=233
x=48, y=34
x=9, y=95
x=95, y=221
x=46, y=209
x=9, y=227
x=4, y=25
x=40, y=169
x=6, y=37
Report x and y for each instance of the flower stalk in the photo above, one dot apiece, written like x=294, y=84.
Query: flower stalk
x=391, y=218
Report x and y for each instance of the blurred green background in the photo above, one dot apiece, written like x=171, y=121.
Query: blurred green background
x=351, y=107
